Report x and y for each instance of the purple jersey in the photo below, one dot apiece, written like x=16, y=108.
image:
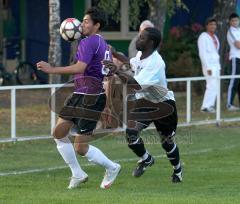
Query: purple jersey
x=92, y=51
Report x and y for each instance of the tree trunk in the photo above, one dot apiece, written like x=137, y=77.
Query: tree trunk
x=54, y=52
x=1, y=32
x=222, y=10
x=158, y=9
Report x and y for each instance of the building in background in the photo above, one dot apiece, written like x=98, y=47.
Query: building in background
x=28, y=20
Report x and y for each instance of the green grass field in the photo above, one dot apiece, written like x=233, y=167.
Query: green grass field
x=211, y=171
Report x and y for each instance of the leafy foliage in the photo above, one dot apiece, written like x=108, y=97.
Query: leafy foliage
x=112, y=8
x=173, y=4
x=180, y=51
x=222, y=10
x=134, y=13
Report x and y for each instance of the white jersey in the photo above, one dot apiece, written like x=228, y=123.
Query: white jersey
x=208, y=53
x=150, y=75
x=233, y=35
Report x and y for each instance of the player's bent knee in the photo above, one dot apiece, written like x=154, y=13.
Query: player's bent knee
x=57, y=134
x=167, y=137
x=131, y=136
x=61, y=130
x=80, y=148
x=167, y=142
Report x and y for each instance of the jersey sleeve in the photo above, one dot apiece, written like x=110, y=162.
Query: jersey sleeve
x=202, y=50
x=235, y=35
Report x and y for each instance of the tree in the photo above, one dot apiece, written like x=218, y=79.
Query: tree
x=158, y=10
x=54, y=52
x=222, y=10
x=1, y=32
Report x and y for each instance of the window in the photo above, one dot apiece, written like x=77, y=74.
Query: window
x=111, y=25
x=4, y=4
x=122, y=29
x=144, y=11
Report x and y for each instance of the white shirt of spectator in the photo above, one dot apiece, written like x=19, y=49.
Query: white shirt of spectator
x=208, y=53
x=150, y=72
x=233, y=35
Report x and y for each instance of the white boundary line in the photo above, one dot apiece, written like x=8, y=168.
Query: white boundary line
x=91, y=164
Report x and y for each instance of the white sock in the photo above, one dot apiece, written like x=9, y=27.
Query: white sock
x=96, y=156
x=67, y=152
x=177, y=166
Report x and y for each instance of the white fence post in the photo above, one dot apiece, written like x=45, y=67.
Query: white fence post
x=53, y=108
x=13, y=115
x=188, y=115
x=53, y=87
x=218, y=105
x=124, y=106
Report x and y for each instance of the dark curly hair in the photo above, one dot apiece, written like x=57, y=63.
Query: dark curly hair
x=97, y=16
x=155, y=35
x=233, y=15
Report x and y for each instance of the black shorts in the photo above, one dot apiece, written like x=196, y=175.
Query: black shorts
x=165, y=126
x=78, y=105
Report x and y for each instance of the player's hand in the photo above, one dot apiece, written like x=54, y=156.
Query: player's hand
x=125, y=67
x=110, y=65
x=44, y=66
x=209, y=72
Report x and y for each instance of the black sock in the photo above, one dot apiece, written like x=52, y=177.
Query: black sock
x=173, y=156
x=138, y=147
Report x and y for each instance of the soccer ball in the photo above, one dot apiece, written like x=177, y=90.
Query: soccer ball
x=70, y=29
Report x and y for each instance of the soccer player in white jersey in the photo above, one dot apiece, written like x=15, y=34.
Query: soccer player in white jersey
x=88, y=95
x=149, y=73
x=233, y=38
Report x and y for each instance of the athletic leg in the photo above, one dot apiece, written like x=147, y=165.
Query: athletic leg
x=67, y=152
x=210, y=94
x=233, y=84
x=96, y=156
x=172, y=152
x=136, y=144
x=166, y=128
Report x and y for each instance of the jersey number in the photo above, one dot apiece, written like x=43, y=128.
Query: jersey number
x=105, y=71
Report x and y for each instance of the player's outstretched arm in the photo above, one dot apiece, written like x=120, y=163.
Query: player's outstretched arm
x=79, y=67
x=121, y=57
x=123, y=71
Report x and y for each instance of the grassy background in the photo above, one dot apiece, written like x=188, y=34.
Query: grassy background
x=211, y=171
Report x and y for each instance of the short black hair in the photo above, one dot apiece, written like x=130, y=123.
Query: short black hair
x=233, y=15
x=155, y=35
x=97, y=16
x=210, y=20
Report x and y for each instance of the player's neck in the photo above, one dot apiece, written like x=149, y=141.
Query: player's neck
x=146, y=54
x=94, y=32
x=234, y=26
x=210, y=33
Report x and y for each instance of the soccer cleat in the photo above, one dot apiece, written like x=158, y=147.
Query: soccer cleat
x=142, y=165
x=177, y=177
x=110, y=176
x=75, y=182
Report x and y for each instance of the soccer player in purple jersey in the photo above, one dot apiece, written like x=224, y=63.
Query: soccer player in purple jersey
x=88, y=74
